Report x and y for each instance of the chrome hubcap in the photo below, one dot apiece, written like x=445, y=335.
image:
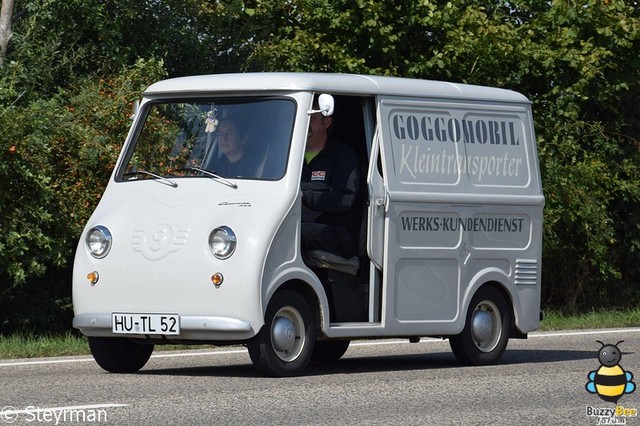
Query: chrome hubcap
x=288, y=334
x=486, y=326
x=284, y=334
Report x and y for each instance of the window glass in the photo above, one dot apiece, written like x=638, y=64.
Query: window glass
x=247, y=139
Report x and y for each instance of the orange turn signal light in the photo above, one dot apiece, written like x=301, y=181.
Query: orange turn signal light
x=217, y=279
x=93, y=277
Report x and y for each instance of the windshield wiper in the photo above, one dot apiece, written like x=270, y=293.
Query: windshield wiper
x=160, y=179
x=212, y=175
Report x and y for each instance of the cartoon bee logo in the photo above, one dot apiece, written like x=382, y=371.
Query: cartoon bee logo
x=610, y=381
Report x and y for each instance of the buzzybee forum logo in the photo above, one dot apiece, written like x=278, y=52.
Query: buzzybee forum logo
x=610, y=382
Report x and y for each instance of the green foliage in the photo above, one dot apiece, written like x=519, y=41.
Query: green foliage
x=56, y=157
x=174, y=30
x=53, y=42
x=26, y=243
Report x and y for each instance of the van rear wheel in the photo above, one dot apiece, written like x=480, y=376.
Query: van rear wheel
x=284, y=345
x=486, y=333
x=119, y=355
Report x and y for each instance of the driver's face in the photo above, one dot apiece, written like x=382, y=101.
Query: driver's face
x=317, y=133
x=229, y=138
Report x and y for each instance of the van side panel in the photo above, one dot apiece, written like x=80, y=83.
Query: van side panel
x=474, y=147
x=463, y=208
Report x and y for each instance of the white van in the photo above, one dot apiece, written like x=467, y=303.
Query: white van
x=178, y=252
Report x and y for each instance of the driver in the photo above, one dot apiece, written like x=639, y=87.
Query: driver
x=330, y=183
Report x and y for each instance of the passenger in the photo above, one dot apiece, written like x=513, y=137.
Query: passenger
x=330, y=183
x=232, y=159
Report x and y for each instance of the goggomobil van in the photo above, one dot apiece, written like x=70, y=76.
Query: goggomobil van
x=180, y=250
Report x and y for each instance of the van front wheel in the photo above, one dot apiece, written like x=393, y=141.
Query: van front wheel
x=119, y=355
x=486, y=333
x=284, y=345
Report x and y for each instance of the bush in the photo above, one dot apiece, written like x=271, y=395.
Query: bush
x=55, y=160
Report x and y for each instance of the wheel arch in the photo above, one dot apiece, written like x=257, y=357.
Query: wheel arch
x=497, y=279
x=309, y=287
x=310, y=296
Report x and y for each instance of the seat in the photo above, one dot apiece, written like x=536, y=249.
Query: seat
x=332, y=262
x=325, y=260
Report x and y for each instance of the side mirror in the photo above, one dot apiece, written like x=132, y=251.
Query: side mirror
x=326, y=104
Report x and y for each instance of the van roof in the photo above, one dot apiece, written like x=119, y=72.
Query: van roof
x=353, y=84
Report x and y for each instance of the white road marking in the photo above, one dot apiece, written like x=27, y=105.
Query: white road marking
x=585, y=333
x=370, y=343
x=52, y=361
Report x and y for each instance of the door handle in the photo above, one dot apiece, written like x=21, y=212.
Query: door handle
x=379, y=206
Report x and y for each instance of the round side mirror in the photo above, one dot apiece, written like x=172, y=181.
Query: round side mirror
x=326, y=104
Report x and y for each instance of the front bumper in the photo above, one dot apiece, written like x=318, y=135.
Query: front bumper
x=203, y=328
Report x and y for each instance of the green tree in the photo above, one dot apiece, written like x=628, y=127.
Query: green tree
x=53, y=43
x=56, y=157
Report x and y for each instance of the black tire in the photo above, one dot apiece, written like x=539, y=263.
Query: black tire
x=329, y=350
x=119, y=355
x=284, y=345
x=494, y=321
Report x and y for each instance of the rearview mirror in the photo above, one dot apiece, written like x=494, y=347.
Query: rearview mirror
x=326, y=105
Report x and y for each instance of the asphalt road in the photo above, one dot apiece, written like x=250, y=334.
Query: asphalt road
x=541, y=381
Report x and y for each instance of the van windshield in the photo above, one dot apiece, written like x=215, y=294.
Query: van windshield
x=238, y=139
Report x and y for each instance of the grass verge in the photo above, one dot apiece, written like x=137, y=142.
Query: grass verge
x=35, y=346
x=594, y=319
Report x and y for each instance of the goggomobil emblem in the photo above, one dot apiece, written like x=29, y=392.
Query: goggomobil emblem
x=610, y=381
x=159, y=240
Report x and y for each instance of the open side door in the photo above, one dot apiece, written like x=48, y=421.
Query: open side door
x=376, y=205
x=422, y=268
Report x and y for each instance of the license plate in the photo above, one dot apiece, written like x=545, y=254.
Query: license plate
x=166, y=324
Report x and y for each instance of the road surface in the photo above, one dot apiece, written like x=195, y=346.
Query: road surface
x=540, y=381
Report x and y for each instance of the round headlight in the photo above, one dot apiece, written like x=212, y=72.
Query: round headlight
x=98, y=241
x=222, y=242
